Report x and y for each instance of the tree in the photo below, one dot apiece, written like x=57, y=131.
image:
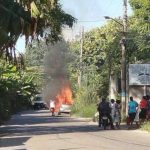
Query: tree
x=141, y=9
x=17, y=88
x=30, y=18
x=140, y=27
x=101, y=50
x=34, y=55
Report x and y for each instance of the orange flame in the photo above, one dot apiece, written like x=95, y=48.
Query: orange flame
x=64, y=96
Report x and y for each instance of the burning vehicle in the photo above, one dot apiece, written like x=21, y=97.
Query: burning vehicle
x=65, y=108
x=64, y=99
x=60, y=97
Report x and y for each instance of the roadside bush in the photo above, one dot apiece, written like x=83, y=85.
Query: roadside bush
x=86, y=111
x=86, y=96
x=146, y=126
x=16, y=90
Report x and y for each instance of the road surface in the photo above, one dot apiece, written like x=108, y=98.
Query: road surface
x=37, y=130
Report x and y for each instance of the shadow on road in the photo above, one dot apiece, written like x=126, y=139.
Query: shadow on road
x=40, y=122
x=41, y=130
x=24, y=125
x=13, y=141
x=31, y=120
x=30, y=123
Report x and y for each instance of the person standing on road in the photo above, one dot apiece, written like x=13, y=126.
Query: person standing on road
x=132, y=108
x=112, y=106
x=117, y=116
x=143, y=107
x=148, y=108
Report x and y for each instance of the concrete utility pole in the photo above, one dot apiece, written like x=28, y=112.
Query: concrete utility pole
x=123, y=59
x=81, y=52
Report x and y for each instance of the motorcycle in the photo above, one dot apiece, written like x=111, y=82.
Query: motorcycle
x=52, y=110
x=105, y=121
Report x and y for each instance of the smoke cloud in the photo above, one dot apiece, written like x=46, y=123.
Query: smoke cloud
x=57, y=78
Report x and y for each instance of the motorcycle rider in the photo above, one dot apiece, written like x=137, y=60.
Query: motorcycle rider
x=105, y=109
x=52, y=106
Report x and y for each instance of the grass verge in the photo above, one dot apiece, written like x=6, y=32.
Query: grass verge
x=146, y=126
x=86, y=111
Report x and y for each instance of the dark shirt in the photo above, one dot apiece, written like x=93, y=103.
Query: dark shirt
x=104, y=107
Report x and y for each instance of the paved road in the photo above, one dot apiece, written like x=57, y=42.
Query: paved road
x=37, y=130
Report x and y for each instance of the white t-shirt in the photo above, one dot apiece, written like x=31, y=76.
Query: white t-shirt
x=52, y=104
x=112, y=105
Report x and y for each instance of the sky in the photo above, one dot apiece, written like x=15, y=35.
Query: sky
x=93, y=11
x=89, y=13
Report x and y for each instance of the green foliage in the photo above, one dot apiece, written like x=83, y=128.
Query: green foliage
x=88, y=91
x=31, y=19
x=101, y=52
x=16, y=90
x=87, y=95
x=37, y=53
x=141, y=9
x=101, y=48
x=87, y=111
x=34, y=55
x=140, y=28
x=101, y=55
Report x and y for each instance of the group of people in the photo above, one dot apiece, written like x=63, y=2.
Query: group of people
x=116, y=112
x=136, y=112
x=112, y=110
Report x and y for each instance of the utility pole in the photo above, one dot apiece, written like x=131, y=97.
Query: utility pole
x=123, y=59
x=81, y=53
